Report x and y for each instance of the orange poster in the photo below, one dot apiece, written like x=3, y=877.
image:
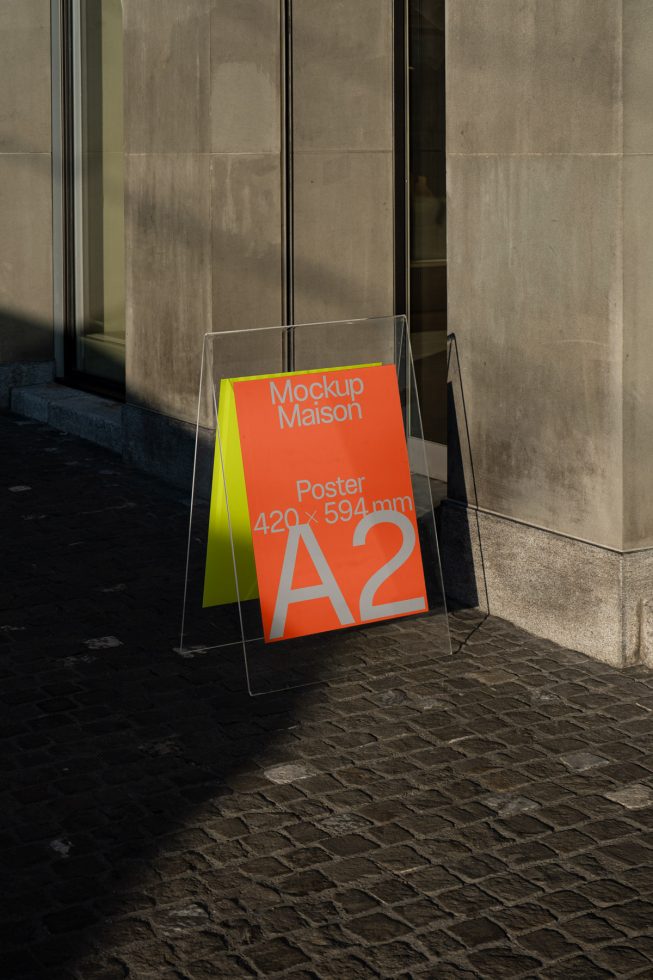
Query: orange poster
x=330, y=500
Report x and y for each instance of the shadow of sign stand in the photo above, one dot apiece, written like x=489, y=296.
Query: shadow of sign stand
x=462, y=546
x=321, y=414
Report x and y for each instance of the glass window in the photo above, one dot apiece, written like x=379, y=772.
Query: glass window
x=428, y=211
x=99, y=327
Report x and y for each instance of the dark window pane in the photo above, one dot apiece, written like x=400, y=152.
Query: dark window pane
x=428, y=211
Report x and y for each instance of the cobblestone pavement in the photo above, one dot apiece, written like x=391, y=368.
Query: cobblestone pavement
x=488, y=814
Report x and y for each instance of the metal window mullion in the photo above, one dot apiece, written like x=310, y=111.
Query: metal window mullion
x=402, y=185
x=77, y=245
x=58, y=218
x=286, y=79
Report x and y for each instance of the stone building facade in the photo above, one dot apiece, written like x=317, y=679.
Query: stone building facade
x=170, y=167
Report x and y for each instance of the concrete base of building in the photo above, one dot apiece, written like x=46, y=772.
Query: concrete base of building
x=17, y=375
x=80, y=414
x=155, y=443
x=166, y=447
x=581, y=595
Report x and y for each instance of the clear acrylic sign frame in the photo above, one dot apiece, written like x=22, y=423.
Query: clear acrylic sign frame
x=225, y=628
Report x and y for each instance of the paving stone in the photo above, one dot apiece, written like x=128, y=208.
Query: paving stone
x=388, y=834
x=464, y=900
x=567, y=841
x=511, y=887
x=622, y=960
x=582, y=761
x=478, y=932
x=591, y=929
x=208, y=945
x=420, y=913
x=426, y=824
x=427, y=702
x=491, y=677
x=92, y=969
x=347, y=965
x=503, y=962
x=103, y=643
x=265, y=867
x=289, y=772
x=628, y=852
x=400, y=859
x=352, y=869
x=632, y=797
x=632, y=916
x=639, y=878
x=566, y=902
x=127, y=931
x=305, y=883
x=391, y=699
x=475, y=868
x=348, y=845
x=600, y=830
x=576, y=968
x=503, y=779
x=590, y=865
x=606, y=892
x=523, y=825
x=549, y=944
x=528, y=853
x=392, y=890
x=446, y=849
x=377, y=927
x=344, y=823
x=174, y=922
x=561, y=816
x=395, y=957
x=520, y=918
x=445, y=971
x=439, y=944
x=276, y=956
x=354, y=901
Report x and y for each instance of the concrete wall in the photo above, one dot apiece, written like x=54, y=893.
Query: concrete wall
x=534, y=170
x=638, y=273
x=25, y=182
x=550, y=294
x=203, y=185
x=343, y=164
x=204, y=176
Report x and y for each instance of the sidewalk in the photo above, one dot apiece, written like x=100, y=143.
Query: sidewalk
x=488, y=814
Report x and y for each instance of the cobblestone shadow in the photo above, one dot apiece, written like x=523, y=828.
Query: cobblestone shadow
x=488, y=814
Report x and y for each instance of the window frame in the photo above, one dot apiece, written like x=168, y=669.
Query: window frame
x=67, y=203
